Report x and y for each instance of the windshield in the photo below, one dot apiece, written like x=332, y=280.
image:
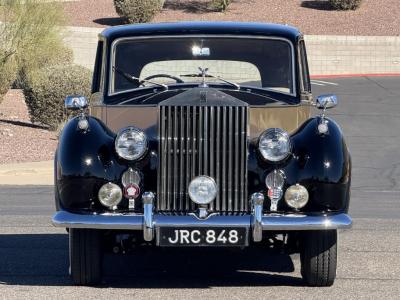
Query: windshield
x=265, y=63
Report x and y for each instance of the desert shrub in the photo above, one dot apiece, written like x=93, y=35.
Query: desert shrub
x=220, y=5
x=46, y=89
x=31, y=35
x=42, y=58
x=8, y=71
x=345, y=4
x=138, y=11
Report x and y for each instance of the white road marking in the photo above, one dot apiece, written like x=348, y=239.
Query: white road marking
x=320, y=82
x=314, y=83
x=378, y=191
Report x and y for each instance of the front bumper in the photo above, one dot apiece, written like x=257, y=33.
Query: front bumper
x=148, y=223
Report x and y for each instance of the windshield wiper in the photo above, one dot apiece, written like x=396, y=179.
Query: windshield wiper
x=203, y=74
x=137, y=80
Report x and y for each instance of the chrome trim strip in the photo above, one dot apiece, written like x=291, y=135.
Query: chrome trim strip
x=116, y=41
x=303, y=222
x=103, y=221
x=132, y=221
x=192, y=221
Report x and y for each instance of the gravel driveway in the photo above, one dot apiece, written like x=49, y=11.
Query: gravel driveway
x=374, y=17
x=20, y=140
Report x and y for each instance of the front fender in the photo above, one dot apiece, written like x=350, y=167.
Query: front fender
x=84, y=161
x=321, y=163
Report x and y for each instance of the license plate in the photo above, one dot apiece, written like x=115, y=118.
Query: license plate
x=232, y=236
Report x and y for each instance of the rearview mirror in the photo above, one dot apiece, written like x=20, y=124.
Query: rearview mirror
x=75, y=102
x=327, y=101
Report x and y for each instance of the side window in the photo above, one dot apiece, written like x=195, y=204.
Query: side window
x=97, y=72
x=304, y=68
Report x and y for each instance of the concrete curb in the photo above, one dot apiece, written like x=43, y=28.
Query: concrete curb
x=32, y=173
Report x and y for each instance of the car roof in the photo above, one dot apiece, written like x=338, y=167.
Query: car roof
x=199, y=28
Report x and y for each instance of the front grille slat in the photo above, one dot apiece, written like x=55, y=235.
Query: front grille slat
x=188, y=164
x=169, y=165
x=212, y=146
x=175, y=196
x=236, y=192
x=205, y=139
x=243, y=159
x=202, y=140
x=218, y=157
x=230, y=158
x=223, y=155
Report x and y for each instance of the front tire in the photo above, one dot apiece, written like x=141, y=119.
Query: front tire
x=85, y=256
x=319, y=257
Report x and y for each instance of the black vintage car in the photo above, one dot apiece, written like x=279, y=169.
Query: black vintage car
x=200, y=134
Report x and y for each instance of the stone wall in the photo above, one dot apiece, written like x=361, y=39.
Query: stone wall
x=327, y=55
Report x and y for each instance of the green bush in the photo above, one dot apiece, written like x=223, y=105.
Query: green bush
x=46, y=89
x=31, y=35
x=8, y=71
x=138, y=11
x=345, y=4
x=220, y=5
x=42, y=58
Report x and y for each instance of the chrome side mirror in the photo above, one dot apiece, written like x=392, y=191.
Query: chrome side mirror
x=75, y=102
x=326, y=101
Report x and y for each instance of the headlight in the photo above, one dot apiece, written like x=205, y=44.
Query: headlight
x=202, y=190
x=274, y=144
x=131, y=143
x=296, y=196
x=110, y=195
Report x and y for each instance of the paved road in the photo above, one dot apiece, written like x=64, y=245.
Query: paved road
x=34, y=257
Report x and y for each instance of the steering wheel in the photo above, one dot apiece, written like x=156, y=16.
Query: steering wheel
x=177, y=79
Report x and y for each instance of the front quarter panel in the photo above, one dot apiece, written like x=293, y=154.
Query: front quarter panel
x=84, y=161
x=321, y=163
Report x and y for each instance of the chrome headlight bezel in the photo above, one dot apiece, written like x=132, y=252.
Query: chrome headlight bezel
x=144, y=142
x=267, y=135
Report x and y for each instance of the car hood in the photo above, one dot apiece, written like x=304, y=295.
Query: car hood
x=288, y=117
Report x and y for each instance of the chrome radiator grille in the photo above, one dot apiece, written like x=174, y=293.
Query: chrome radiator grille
x=202, y=140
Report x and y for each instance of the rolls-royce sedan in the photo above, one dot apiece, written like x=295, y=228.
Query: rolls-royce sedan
x=201, y=134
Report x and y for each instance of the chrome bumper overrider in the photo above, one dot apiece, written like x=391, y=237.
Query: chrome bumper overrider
x=148, y=222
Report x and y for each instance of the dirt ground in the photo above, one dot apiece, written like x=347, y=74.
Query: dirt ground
x=20, y=140
x=374, y=17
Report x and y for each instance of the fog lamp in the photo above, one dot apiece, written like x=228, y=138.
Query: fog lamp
x=296, y=196
x=202, y=190
x=110, y=195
